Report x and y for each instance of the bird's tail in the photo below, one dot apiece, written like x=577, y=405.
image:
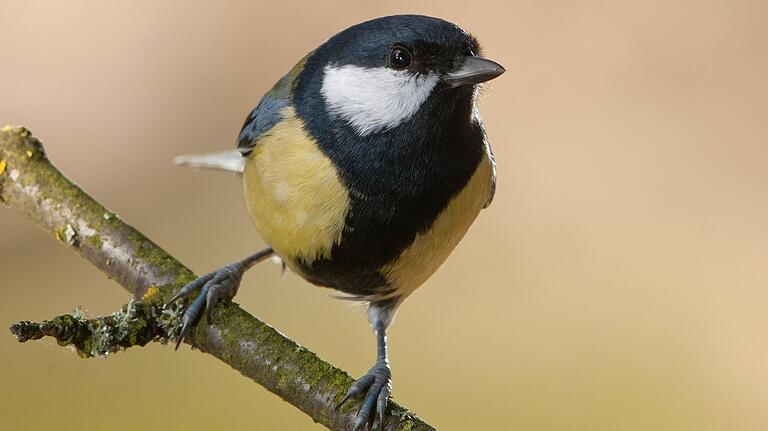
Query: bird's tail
x=231, y=161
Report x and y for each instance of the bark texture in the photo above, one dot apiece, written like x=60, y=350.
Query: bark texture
x=31, y=185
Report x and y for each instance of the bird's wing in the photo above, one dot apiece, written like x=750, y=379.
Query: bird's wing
x=259, y=121
x=269, y=110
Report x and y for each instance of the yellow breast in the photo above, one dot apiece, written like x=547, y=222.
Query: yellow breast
x=293, y=193
x=429, y=250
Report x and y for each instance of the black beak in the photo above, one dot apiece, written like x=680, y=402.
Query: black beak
x=474, y=70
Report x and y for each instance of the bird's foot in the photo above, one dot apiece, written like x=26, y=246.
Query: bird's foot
x=215, y=287
x=377, y=384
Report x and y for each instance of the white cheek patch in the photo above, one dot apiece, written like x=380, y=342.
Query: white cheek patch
x=374, y=99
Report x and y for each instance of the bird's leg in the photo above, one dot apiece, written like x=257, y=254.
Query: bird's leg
x=214, y=287
x=376, y=384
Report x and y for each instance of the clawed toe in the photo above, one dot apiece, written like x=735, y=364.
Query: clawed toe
x=377, y=385
x=214, y=287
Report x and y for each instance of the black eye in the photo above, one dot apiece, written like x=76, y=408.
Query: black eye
x=399, y=58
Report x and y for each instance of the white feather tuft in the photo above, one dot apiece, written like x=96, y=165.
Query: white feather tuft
x=231, y=161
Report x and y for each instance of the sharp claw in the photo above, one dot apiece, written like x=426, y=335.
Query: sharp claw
x=341, y=403
x=190, y=287
x=344, y=400
x=381, y=405
x=184, y=330
x=181, y=293
x=357, y=388
x=191, y=314
x=369, y=404
x=209, y=312
x=210, y=301
x=173, y=299
x=360, y=424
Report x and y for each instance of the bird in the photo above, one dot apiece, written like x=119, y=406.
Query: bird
x=362, y=169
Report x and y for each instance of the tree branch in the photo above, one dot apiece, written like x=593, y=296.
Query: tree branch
x=30, y=184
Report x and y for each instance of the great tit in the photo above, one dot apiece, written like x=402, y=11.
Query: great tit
x=363, y=168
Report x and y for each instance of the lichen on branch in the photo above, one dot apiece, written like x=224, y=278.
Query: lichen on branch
x=136, y=324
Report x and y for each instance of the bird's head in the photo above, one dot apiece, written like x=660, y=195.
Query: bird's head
x=377, y=75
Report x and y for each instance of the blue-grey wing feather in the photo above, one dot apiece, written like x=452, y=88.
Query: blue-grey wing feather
x=270, y=109
x=260, y=120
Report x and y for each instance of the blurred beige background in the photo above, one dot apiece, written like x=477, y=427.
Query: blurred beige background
x=619, y=281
